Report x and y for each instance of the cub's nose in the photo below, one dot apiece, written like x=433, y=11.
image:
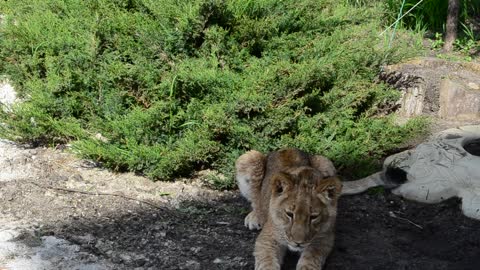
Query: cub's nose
x=298, y=244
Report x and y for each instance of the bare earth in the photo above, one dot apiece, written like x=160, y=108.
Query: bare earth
x=46, y=225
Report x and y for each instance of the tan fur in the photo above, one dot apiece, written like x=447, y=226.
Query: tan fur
x=294, y=198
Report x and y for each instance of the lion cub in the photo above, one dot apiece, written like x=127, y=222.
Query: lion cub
x=294, y=199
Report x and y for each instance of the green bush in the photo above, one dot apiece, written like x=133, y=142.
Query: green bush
x=175, y=86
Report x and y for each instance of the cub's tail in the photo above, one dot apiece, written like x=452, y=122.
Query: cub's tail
x=390, y=178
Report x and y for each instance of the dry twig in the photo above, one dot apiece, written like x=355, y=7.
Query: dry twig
x=391, y=214
x=96, y=194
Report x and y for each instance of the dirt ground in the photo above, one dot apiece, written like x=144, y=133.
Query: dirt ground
x=187, y=226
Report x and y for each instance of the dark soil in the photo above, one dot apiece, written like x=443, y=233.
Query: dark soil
x=196, y=228
x=211, y=236
x=368, y=237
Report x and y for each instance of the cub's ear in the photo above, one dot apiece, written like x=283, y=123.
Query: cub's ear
x=280, y=183
x=330, y=188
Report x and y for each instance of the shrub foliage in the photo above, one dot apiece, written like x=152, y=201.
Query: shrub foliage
x=176, y=85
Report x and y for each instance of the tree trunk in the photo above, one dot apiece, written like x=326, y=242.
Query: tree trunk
x=452, y=24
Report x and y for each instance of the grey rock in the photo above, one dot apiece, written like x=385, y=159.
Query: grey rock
x=436, y=88
x=192, y=265
x=459, y=101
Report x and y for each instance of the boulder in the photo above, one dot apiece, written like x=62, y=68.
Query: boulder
x=446, y=90
x=459, y=100
x=8, y=96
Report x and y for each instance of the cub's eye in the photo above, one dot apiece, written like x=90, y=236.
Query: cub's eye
x=289, y=214
x=314, y=216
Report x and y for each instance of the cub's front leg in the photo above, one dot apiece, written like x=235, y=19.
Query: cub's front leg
x=268, y=252
x=314, y=256
x=250, y=168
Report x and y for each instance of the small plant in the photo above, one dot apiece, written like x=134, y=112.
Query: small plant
x=467, y=43
x=437, y=42
x=359, y=3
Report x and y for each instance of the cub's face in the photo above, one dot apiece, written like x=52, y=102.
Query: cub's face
x=303, y=204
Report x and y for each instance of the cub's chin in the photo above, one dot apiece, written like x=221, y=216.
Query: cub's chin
x=296, y=248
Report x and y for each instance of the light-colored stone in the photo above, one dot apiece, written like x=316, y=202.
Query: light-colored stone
x=473, y=86
x=446, y=91
x=14, y=164
x=218, y=261
x=458, y=101
x=101, y=138
x=193, y=265
x=8, y=235
x=411, y=103
x=8, y=96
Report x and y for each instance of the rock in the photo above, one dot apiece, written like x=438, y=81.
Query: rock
x=195, y=250
x=473, y=86
x=193, y=265
x=8, y=96
x=7, y=235
x=15, y=162
x=77, y=178
x=161, y=234
x=412, y=102
x=126, y=258
x=101, y=138
x=218, y=260
x=139, y=259
x=58, y=178
x=85, y=240
x=446, y=90
x=459, y=101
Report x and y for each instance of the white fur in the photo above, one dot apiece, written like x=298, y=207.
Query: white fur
x=243, y=181
x=251, y=222
x=295, y=249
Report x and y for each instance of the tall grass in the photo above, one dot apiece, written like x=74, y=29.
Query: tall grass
x=431, y=14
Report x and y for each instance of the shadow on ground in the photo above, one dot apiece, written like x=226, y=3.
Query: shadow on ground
x=374, y=231
x=196, y=235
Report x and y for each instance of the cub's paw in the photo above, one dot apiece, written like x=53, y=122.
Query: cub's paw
x=268, y=267
x=308, y=267
x=251, y=221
